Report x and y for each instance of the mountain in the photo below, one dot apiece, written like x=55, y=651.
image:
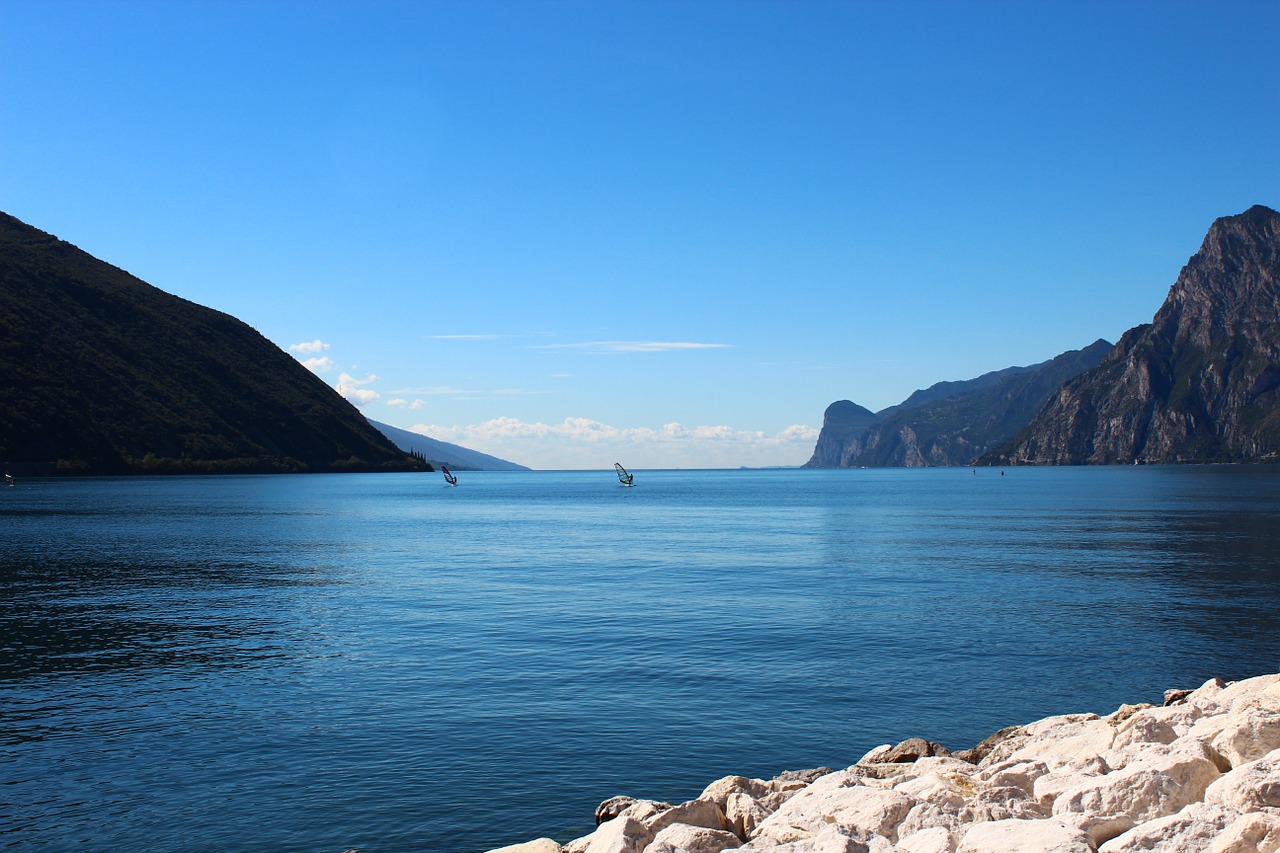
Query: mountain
x=950, y=423
x=442, y=452
x=105, y=374
x=843, y=424
x=1200, y=383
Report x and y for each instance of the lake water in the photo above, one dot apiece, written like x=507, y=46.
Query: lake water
x=317, y=663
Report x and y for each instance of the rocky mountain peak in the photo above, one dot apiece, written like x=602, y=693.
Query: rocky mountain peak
x=1201, y=383
x=1230, y=285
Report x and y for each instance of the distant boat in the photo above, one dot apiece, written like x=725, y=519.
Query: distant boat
x=623, y=476
x=448, y=477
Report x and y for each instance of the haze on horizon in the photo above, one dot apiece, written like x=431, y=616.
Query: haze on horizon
x=665, y=233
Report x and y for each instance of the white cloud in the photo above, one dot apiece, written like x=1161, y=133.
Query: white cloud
x=349, y=387
x=585, y=443
x=323, y=364
x=632, y=346
x=308, y=347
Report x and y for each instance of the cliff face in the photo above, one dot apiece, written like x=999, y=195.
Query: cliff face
x=1200, y=383
x=951, y=423
x=105, y=374
x=843, y=425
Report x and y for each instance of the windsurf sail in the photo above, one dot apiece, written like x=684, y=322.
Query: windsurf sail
x=449, y=478
x=623, y=476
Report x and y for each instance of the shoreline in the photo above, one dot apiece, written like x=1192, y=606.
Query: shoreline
x=1199, y=773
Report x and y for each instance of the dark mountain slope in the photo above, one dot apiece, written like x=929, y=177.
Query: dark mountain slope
x=103, y=374
x=977, y=415
x=1200, y=383
x=442, y=452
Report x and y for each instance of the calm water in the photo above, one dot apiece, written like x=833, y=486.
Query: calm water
x=316, y=663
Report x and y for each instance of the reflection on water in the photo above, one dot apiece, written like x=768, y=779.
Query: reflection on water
x=316, y=663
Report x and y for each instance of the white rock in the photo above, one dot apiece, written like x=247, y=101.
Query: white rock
x=1258, y=832
x=719, y=790
x=869, y=810
x=1072, y=741
x=694, y=813
x=621, y=835
x=1048, y=787
x=1143, y=728
x=539, y=845
x=1022, y=774
x=743, y=814
x=935, y=840
x=876, y=755
x=1024, y=836
x=926, y=816
x=1163, y=782
x=644, y=810
x=1249, y=787
x=1260, y=692
x=1002, y=804
x=683, y=838
x=1248, y=735
x=831, y=839
x=937, y=789
x=1191, y=830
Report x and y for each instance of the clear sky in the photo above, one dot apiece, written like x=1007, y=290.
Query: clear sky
x=666, y=233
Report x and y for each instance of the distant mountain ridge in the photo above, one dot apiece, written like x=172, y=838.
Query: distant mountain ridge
x=105, y=374
x=950, y=423
x=1200, y=383
x=442, y=452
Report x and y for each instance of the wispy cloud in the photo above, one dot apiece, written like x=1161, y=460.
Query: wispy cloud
x=309, y=347
x=350, y=387
x=322, y=364
x=632, y=346
x=585, y=443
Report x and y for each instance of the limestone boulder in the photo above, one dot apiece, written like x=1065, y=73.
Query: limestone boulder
x=867, y=810
x=703, y=813
x=993, y=804
x=744, y=814
x=1024, y=836
x=831, y=839
x=613, y=807
x=934, y=840
x=1248, y=734
x=1015, y=774
x=1262, y=691
x=1191, y=829
x=927, y=816
x=683, y=838
x=1071, y=741
x=621, y=835
x=539, y=845
x=719, y=790
x=1141, y=729
x=1249, y=787
x=1162, y=783
x=1257, y=832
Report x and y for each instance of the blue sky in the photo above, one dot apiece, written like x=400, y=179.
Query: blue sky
x=671, y=234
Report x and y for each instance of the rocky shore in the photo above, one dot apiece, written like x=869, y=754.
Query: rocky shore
x=1200, y=774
